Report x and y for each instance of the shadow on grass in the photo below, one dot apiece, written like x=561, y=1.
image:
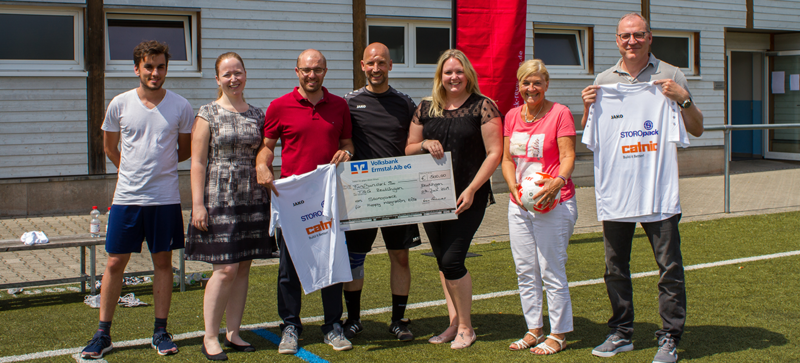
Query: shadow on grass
x=598, y=237
x=69, y=297
x=500, y=328
x=707, y=340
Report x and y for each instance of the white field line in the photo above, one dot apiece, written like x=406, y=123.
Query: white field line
x=273, y=324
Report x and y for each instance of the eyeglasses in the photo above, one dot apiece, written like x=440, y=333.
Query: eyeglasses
x=637, y=36
x=317, y=71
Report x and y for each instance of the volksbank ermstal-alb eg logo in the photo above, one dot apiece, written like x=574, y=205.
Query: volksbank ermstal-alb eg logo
x=359, y=167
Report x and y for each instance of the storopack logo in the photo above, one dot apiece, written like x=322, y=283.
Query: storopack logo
x=359, y=167
x=648, y=131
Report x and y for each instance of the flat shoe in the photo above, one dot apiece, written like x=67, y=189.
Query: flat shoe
x=218, y=356
x=462, y=345
x=241, y=348
x=441, y=338
x=522, y=344
x=548, y=349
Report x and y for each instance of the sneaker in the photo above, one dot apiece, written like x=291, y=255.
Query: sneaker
x=288, y=340
x=351, y=328
x=614, y=344
x=163, y=344
x=400, y=329
x=99, y=345
x=336, y=339
x=667, y=350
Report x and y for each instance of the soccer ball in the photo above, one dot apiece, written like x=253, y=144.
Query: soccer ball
x=528, y=188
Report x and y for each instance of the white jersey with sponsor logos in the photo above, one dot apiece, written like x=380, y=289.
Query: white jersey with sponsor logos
x=633, y=130
x=308, y=214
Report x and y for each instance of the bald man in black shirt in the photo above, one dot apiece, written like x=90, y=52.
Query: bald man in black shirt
x=381, y=116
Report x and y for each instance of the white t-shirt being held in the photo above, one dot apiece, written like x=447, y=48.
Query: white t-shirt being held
x=307, y=212
x=148, y=167
x=633, y=130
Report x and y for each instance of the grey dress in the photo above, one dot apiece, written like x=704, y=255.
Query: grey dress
x=238, y=207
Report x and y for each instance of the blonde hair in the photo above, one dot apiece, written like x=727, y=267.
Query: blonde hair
x=221, y=58
x=531, y=67
x=438, y=96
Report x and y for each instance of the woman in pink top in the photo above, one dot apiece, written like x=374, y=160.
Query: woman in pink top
x=539, y=137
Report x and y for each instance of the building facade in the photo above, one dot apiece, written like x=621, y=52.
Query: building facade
x=59, y=72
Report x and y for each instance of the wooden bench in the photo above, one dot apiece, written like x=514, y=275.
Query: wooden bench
x=83, y=241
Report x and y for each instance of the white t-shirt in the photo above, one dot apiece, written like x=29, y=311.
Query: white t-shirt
x=633, y=130
x=307, y=211
x=148, y=167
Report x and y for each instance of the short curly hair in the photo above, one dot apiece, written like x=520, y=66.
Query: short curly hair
x=148, y=48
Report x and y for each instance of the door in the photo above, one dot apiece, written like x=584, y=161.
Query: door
x=746, y=95
x=784, y=106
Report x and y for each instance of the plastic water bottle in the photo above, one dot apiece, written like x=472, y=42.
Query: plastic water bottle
x=94, y=225
x=108, y=218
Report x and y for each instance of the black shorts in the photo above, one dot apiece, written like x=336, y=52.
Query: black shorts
x=395, y=237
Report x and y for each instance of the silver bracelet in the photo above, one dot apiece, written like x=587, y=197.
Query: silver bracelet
x=421, y=145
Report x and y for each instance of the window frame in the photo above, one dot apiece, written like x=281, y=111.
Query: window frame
x=189, y=19
x=410, y=68
x=694, y=66
x=581, y=36
x=78, y=61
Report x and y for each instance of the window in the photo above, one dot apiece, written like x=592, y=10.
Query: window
x=125, y=31
x=413, y=45
x=38, y=39
x=676, y=48
x=562, y=49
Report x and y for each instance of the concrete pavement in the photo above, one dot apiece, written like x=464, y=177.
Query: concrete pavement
x=757, y=187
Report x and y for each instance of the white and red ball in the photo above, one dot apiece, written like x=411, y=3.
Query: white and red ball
x=528, y=189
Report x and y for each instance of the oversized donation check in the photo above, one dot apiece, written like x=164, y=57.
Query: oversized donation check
x=396, y=191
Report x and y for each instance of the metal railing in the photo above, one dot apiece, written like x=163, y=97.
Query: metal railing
x=727, y=130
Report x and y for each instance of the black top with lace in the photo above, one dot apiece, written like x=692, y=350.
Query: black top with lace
x=459, y=132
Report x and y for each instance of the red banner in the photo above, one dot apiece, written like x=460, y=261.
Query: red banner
x=492, y=35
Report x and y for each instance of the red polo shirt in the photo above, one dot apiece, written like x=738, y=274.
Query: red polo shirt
x=309, y=133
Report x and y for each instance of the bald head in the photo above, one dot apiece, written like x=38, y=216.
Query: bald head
x=311, y=55
x=377, y=49
x=376, y=66
x=635, y=18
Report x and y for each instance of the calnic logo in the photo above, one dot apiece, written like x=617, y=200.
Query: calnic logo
x=322, y=226
x=359, y=167
x=640, y=148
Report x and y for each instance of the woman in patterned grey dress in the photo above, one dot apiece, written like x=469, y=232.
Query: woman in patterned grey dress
x=230, y=210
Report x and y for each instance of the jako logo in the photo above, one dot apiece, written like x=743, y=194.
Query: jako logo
x=311, y=216
x=614, y=117
x=361, y=166
x=319, y=227
x=639, y=148
x=295, y=204
x=361, y=106
x=648, y=125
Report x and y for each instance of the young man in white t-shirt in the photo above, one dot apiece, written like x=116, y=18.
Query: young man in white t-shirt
x=152, y=127
x=638, y=66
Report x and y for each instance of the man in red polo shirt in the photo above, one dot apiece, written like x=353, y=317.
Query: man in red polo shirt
x=314, y=128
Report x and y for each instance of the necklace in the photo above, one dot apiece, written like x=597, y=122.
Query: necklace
x=535, y=116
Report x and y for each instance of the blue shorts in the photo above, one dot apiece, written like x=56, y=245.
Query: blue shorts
x=129, y=225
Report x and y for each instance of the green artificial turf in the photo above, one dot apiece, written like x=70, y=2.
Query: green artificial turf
x=743, y=312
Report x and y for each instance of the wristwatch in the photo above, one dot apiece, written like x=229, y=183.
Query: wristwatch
x=686, y=104
x=348, y=153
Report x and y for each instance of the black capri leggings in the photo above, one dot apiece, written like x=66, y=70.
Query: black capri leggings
x=450, y=240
